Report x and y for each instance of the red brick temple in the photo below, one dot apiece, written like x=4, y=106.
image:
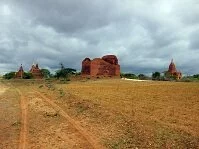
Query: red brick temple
x=106, y=66
x=173, y=71
x=20, y=73
x=36, y=72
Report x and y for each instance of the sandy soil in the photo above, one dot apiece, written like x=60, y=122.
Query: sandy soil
x=115, y=114
x=40, y=123
x=9, y=119
x=2, y=89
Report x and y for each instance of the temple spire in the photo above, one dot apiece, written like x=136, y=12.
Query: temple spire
x=21, y=68
x=20, y=73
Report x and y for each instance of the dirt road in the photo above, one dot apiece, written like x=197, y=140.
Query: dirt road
x=41, y=123
x=24, y=114
x=9, y=118
x=115, y=114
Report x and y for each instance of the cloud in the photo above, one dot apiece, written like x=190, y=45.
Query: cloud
x=144, y=35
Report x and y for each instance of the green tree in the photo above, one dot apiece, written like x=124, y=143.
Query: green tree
x=156, y=75
x=142, y=77
x=129, y=75
x=46, y=73
x=27, y=75
x=64, y=72
x=196, y=76
x=9, y=75
x=70, y=71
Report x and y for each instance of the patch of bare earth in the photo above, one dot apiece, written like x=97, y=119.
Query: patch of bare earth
x=9, y=118
x=3, y=89
x=48, y=128
x=117, y=114
x=38, y=122
x=125, y=114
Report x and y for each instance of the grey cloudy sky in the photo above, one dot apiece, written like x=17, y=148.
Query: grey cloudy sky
x=144, y=34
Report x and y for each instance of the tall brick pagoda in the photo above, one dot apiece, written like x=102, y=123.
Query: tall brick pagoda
x=173, y=71
x=20, y=73
x=36, y=72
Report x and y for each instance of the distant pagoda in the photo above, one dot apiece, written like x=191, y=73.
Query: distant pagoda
x=172, y=71
x=36, y=72
x=20, y=73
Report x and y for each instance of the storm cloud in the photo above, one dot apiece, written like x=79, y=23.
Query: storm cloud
x=144, y=35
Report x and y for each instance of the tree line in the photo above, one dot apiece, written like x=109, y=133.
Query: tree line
x=157, y=76
x=63, y=72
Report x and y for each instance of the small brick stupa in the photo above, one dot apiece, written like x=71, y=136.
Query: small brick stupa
x=36, y=72
x=107, y=66
x=20, y=73
x=173, y=71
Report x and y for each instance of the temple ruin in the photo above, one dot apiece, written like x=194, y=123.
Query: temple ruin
x=20, y=73
x=173, y=71
x=36, y=72
x=106, y=66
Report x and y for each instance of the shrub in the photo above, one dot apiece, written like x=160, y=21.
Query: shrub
x=9, y=75
x=156, y=76
x=128, y=75
x=27, y=75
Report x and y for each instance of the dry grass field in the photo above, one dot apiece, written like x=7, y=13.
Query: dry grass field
x=114, y=113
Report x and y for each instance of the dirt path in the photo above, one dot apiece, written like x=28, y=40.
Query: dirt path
x=9, y=117
x=74, y=123
x=2, y=90
x=42, y=124
x=23, y=133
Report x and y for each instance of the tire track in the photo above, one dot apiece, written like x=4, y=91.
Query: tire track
x=74, y=123
x=24, y=112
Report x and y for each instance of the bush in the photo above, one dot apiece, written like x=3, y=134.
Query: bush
x=156, y=76
x=143, y=77
x=46, y=73
x=27, y=75
x=9, y=75
x=196, y=76
x=64, y=72
x=129, y=75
